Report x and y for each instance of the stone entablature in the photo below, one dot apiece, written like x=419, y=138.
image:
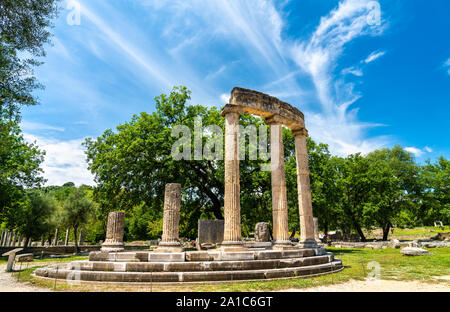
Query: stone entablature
x=256, y=103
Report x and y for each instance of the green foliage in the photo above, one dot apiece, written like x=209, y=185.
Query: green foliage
x=32, y=215
x=19, y=166
x=76, y=212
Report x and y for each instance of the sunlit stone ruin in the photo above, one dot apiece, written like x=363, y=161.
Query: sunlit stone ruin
x=271, y=255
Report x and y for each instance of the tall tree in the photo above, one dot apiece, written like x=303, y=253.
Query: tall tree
x=24, y=27
x=77, y=210
x=393, y=176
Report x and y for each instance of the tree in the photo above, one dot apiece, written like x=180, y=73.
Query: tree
x=19, y=166
x=32, y=215
x=393, y=177
x=23, y=28
x=77, y=210
x=434, y=200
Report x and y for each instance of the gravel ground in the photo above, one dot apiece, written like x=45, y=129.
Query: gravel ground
x=380, y=286
x=9, y=284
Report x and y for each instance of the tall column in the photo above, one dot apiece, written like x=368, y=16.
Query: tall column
x=170, y=241
x=232, y=201
x=316, y=230
x=279, y=195
x=81, y=238
x=8, y=239
x=55, y=239
x=304, y=191
x=114, y=232
x=2, y=238
x=13, y=243
x=66, y=240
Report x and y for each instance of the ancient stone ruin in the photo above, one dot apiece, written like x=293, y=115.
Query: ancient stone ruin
x=234, y=259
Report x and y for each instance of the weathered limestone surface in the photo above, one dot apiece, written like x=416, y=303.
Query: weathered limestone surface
x=279, y=195
x=210, y=232
x=55, y=240
x=232, y=206
x=316, y=230
x=114, y=232
x=413, y=251
x=81, y=237
x=172, y=203
x=264, y=105
x=262, y=232
x=66, y=240
x=304, y=191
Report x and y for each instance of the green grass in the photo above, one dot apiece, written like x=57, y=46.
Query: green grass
x=393, y=266
x=427, y=231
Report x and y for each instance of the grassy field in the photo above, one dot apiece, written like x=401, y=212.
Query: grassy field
x=409, y=234
x=392, y=266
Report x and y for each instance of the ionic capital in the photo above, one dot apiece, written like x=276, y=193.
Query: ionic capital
x=302, y=132
x=274, y=120
x=230, y=108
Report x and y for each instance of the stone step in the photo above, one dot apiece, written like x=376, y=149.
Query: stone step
x=210, y=255
x=193, y=266
x=176, y=277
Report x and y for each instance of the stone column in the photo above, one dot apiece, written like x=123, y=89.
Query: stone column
x=8, y=239
x=316, y=230
x=13, y=243
x=114, y=232
x=304, y=191
x=81, y=238
x=55, y=240
x=232, y=205
x=172, y=201
x=2, y=238
x=279, y=195
x=66, y=240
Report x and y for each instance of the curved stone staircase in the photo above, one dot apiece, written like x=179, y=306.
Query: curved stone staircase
x=195, y=266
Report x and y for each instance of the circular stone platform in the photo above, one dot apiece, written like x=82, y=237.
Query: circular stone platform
x=195, y=266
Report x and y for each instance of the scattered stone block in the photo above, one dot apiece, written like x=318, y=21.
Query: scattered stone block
x=262, y=232
x=210, y=232
x=414, y=251
x=25, y=257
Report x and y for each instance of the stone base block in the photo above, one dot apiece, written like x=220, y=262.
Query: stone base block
x=166, y=256
x=112, y=247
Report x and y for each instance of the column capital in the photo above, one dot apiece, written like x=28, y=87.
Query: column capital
x=273, y=120
x=302, y=132
x=230, y=108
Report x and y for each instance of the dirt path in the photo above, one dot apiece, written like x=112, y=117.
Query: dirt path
x=379, y=286
x=8, y=283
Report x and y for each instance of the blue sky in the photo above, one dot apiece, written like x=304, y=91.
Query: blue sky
x=362, y=82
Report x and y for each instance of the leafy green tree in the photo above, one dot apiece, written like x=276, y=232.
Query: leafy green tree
x=434, y=201
x=24, y=27
x=393, y=176
x=76, y=212
x=19, y=166
x=32, y=215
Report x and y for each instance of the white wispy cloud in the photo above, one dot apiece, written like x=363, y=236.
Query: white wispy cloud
x=374, y=55
x=64, y=160
x=336, y=124
x=417, y=151
x=446, y=66
x=31, y=126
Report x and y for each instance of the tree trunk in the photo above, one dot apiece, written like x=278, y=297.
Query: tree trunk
x=27, y=241
x=360, y=232
x=75, y=232
x=386, y=229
